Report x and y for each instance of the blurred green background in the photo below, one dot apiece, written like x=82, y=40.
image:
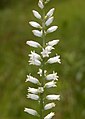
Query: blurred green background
x=15, y=31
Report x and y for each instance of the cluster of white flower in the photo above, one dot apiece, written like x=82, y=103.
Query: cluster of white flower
x=46, y=80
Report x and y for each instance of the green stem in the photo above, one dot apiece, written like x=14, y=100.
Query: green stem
x=43, y=63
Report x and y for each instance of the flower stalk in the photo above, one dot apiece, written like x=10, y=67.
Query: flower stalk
x=40, y=60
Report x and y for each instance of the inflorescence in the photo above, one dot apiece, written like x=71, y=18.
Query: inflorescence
x=45, y=80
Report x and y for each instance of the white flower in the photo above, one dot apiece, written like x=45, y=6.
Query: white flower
x=53, y=97
x=37, y=33
x=35, y=91
x=46, y=51
x=49, y=21
x=32, y=79
x=49, y=116
x=50, y=84
x=40, y=72
x=34, y=24
x=32, y=90
x=33, y=96
x=52, y=43
x=52, y=76
x=54, y=59
x=50, y=13
x=52, y=29
x=36, y=14
x=49, y=106
x=40, y=4
x=34, y=59
x=49, y=48
x=34, y=55
x=33, y=44
x=35, y=62
x=31, y=111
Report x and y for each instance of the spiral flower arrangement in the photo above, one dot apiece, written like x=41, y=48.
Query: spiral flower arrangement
x=40, y=60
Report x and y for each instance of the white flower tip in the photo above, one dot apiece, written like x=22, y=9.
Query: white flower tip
x=40, y=4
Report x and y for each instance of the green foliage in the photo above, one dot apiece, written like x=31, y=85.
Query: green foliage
x=15, y=31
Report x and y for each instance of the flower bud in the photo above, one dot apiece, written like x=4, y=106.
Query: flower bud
x=50, y=13
x=40, y=4
x=52, y=29
x=53, y=97
x=49, y=21
x=34, y=24
x=52, y=43
x=37, y=33
x=36, y=14
x=33, y=44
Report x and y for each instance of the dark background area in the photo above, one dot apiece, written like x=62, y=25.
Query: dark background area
x=15, y=31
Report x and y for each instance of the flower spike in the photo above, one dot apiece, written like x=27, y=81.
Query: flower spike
x=43, y=79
